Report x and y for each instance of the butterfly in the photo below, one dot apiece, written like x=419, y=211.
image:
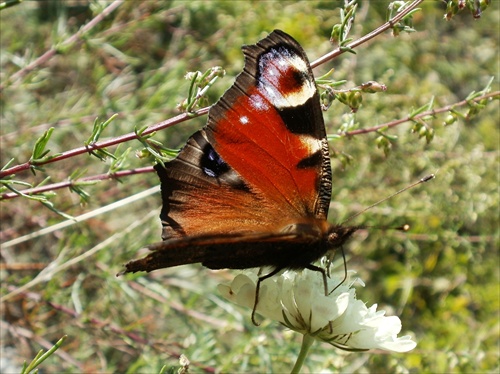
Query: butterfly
x=253, y=187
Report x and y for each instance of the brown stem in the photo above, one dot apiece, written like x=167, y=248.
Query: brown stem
x=120, y=139
x=72, y=39
x=184, y=117
x=69, y=183
x=149, y=169
x=421, y=115
x=386, y=26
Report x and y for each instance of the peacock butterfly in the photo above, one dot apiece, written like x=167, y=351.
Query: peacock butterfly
x=253, y=187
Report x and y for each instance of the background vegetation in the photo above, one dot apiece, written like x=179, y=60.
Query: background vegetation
x=441, y=278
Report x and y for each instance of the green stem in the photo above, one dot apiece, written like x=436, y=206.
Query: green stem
x=307, y=341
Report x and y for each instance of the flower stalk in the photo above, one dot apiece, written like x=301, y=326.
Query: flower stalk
x=307, y=341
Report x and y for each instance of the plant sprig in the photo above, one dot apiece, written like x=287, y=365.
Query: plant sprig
x=40, y=152
x=75, y=181
x=8, y=3
x=198, y=87
x=192, y=99
x=41, y=357
x=101, y=153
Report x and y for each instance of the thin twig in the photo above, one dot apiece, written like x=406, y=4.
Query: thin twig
x=107, y=143
x=184, y=117
x=54, y=50
x=180, y=118
x=70, y=183
x=431, y=112
x=386, y=26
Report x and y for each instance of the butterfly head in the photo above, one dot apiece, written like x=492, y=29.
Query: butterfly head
x=338, y=235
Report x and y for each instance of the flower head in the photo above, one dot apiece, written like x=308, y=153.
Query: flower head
x=297, y=300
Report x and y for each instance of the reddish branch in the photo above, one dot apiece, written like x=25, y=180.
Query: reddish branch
x=76, y=182
x=425, y=114
x=184, y=117
x=181, y=118
x=379, y=30
x=104, y=144
x=72, y=39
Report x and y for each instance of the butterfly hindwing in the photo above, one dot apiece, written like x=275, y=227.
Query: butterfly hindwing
x=237, y=250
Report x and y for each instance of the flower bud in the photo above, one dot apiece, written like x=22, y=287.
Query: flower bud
x=355, y=100
x=429, y=135
x=450, y=119
x=190, y=75
x=372, y=87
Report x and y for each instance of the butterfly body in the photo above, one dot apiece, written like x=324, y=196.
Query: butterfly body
x=253, y=187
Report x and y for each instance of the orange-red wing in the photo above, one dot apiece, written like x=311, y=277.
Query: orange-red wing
x=262, y=161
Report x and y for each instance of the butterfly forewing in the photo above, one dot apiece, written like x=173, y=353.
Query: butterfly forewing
x=262, y=161
x=270, y=125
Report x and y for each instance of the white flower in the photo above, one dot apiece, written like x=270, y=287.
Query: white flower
x=297, y=300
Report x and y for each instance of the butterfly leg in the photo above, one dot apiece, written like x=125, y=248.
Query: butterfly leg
x=257, y=289
x=345, y=272
x=323, y=273
x=325, y=285
x=338, y=285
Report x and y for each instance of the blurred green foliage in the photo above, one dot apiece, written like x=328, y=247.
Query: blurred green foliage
x=441, y=278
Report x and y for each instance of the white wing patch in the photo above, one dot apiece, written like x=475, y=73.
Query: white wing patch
x=311, y=143
x=284, y=79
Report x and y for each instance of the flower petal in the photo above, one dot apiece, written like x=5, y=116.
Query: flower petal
x=297, y=300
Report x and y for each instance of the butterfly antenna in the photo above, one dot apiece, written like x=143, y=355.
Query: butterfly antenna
x=404, y=227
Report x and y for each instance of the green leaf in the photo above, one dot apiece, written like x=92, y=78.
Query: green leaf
x=119, y=162
x=9, y=3
x=41, y=357
x=39, y=154
x=102, y=154
x=422, y=109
